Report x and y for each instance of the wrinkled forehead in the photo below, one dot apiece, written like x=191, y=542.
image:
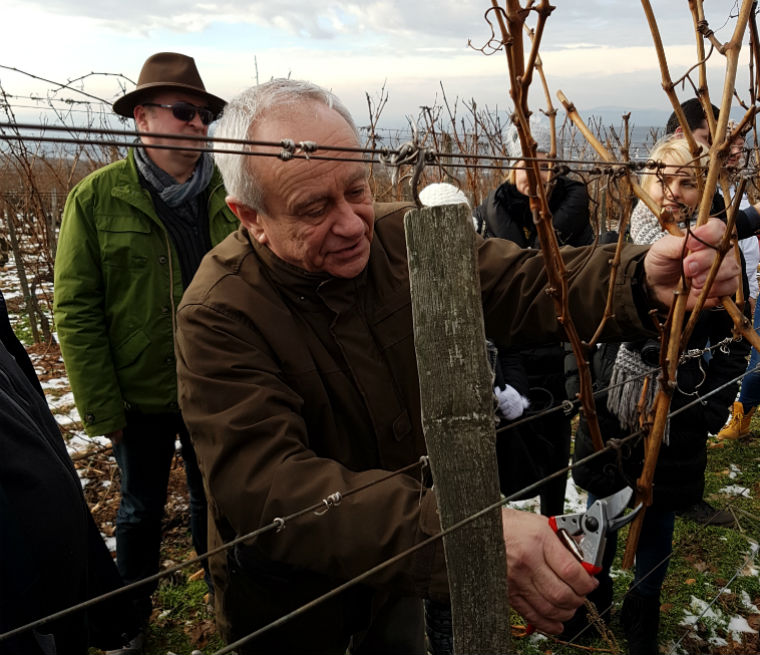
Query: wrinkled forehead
x=299, y=121
x=290, y=129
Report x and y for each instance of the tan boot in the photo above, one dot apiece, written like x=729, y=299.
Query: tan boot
x=739, y=423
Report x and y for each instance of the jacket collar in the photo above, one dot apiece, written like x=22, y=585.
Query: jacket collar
x=129, y=189
x=309, y=291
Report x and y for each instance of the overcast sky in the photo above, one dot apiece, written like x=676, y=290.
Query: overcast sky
x=597, y=51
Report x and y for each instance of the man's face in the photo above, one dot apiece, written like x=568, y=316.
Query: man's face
x=702, y=134
x=521, y=175
x=318, y=215
x=735, y=152
x=161, y=120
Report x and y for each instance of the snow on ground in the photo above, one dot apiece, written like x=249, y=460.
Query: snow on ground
x=748, y=604
x=735, y=490
x=575, y=500
x=712, y=619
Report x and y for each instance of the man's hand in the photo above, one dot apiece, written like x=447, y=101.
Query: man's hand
x=546, y=583
x=115, y=436
x=663, y=266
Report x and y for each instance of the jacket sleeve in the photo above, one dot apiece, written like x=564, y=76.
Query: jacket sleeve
x=253, y=448
x=571, y=217
x=747, y=220
x=81, y=320
x=517, y=310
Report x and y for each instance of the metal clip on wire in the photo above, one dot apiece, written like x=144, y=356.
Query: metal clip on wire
x=333, y=500
x=288, y=149
x=424, y=463
x=422, y=156
x=307, y=147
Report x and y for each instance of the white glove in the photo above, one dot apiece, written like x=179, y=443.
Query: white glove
x=511, y=403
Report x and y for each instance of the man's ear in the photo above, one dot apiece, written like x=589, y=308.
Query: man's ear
x=248, y=217
x=140, y=122
x=679, y=131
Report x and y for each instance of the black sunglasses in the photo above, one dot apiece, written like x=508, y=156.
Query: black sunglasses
x=185, y=112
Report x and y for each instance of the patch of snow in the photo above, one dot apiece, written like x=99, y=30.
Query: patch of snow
x=79, y=443
x=54, y=383
x=739, y=624
x=710, y=617
x=701, y=611
x=733, y=471
x=575, y=500
x=747, y=603
x=735, y=490
x=713, y=619
x=64, y=400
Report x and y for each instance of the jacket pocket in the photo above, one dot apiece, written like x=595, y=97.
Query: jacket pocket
x=130, y=349
x=125, y=240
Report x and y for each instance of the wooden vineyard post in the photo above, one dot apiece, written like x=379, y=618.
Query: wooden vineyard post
x=457, y=418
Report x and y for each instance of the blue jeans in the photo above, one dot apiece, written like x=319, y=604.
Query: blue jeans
x=652, y=553
x=749, y=396
x=144, y=456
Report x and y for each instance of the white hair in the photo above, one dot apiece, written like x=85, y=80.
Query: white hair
x=237, y=121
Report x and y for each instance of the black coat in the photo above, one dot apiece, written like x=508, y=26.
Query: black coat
x=747, y=220
x=506, y=214
x=51, y=553
x=679, y=475
x=531, y=451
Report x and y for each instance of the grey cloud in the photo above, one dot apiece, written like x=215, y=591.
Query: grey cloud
x=401, y=23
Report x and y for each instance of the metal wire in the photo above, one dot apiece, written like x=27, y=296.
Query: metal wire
x=384, y=154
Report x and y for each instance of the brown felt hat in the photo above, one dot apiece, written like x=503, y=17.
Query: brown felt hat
x=167, y=71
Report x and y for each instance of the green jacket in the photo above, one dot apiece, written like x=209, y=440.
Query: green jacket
x=117, y=286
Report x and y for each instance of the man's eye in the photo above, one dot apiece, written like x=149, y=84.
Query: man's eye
x=315, y=212
x=358, y=192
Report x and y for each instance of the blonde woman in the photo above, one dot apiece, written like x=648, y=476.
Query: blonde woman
x=679, y=476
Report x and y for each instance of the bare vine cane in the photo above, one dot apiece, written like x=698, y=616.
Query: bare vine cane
x=720, y=147
x=520, y=77
x=679, y=334
x=673, y=324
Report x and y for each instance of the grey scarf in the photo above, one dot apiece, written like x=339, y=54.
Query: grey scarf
x=629, y=371
x=170, y=191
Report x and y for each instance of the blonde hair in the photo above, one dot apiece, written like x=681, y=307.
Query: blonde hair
x=672, y=151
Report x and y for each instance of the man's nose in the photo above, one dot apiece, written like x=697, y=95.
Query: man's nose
x=196, y=121
x=347, y=222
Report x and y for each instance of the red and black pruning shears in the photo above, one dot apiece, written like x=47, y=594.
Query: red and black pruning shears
x=585, y=533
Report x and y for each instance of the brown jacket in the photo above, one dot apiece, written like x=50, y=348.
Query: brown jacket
x=297, y=385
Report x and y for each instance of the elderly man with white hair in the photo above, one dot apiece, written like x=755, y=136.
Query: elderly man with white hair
x=298, y=379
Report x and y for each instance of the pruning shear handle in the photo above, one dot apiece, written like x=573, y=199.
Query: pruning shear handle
x=585, y=533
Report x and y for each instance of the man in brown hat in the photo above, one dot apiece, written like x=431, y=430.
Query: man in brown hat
x=133, y=234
